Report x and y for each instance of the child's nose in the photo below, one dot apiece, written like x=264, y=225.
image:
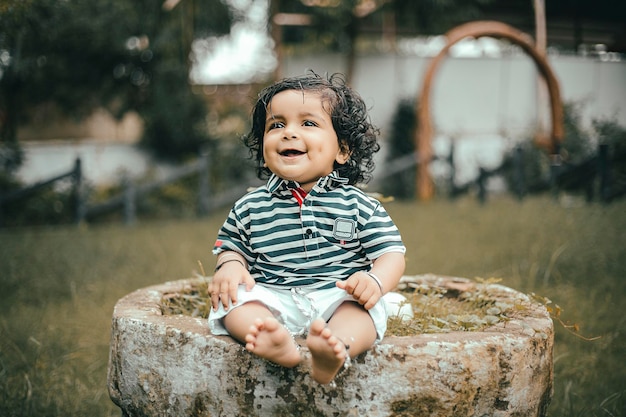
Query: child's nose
x=290, y=132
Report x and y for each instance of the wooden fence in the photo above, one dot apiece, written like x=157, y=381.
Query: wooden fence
x=127, y=199
x=75, y=174
x=207, y=201
x=593, y=175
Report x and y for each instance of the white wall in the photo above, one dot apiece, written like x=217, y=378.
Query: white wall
x=477, y=95
x=476, y=101
x=486, y=104
x=103, y=162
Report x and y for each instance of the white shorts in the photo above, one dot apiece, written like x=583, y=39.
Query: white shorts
x=296, y=308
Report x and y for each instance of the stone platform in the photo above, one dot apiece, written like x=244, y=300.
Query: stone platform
x=171, y=365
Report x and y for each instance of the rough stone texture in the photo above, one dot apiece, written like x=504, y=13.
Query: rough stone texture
x=172, y=366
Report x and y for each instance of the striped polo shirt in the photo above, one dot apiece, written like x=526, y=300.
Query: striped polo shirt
x=297, y=239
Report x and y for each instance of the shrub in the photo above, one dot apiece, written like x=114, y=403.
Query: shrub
x=579, y=150
x=401, y=185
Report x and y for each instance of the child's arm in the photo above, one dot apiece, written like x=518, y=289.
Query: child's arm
x=365, y=289
x=230, y=271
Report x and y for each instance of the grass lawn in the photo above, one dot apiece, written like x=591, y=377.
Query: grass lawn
x=58, y=287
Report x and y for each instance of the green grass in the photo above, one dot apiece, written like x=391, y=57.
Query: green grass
x=58, y=287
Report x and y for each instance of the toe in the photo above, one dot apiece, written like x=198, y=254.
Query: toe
x=271, y=324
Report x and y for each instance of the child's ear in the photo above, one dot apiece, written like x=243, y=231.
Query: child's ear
x=343, y=155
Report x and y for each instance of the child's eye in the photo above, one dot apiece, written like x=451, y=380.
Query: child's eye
x=275, y=125
x=309, y=123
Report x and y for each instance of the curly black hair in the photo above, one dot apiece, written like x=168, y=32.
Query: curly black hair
x=348, y=112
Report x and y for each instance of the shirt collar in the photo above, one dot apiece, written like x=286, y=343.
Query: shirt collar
x=276, y=184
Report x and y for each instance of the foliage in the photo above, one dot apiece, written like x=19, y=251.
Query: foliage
x=611, y=133
x=401, y=143
x=337, y=25
x=533, y=165
x=174, y=117
x=579, y=147
x=340, y=25
x=115, y=54
x=577, y=143
x=51, y=206
x=433, y=16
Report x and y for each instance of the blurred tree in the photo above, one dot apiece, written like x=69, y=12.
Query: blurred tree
x=432, y=17
x=117, y=54
x=611, y=133
x=577, y=145
x=402, y=184
x=338, y=25
x=580, y=149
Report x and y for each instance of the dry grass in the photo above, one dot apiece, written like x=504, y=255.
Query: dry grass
x=58, y=288
x=462, y=306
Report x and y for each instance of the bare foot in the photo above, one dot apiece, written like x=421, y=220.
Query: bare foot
x=270, y=340
x=328, y=353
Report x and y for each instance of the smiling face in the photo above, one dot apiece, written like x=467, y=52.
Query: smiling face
x=300, y=143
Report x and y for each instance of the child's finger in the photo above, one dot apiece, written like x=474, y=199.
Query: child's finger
x=349, y=285
x=215, y=299
x=222, y=293
x=371, y=302
x=232, y=293
x=225, y=298
x=249, y=282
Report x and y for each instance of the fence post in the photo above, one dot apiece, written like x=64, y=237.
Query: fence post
x=203, y=183
x=129, y=202
x=518, y=172
x=452, y=192
x=482, y=190
x=604, y=171
x=555, y=170
x=79, y=203
x=1, y=207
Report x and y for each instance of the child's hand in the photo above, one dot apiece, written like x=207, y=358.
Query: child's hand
x=363, y=288
x=223, y=287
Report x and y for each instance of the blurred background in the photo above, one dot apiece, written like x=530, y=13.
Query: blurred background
x=130, y=113
x=135, y=91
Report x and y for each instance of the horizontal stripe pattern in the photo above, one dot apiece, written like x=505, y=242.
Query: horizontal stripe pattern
x=337, y=231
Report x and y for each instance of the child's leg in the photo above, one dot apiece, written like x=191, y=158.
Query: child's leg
x=351, y=325
x=254, y=324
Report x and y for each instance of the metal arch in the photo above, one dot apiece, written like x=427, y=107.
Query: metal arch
x=424, y=131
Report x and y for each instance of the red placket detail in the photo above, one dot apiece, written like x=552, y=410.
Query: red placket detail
x=299, y=194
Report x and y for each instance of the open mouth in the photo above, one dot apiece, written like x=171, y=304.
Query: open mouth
x=291, y=152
